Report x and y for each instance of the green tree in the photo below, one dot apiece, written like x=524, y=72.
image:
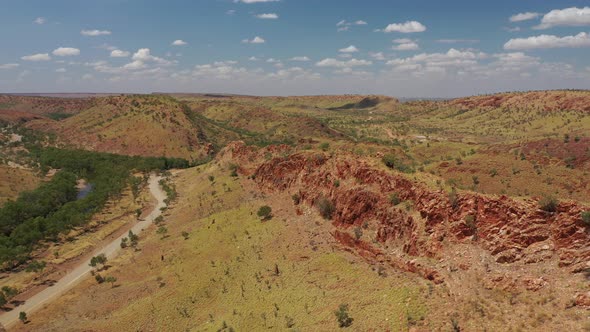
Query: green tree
x=342, y=316
x=265, y=212
x=162, y=231
x=22, y=316
x=112, y=280
x=101, y=260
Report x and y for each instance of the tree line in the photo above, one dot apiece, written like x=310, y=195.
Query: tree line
x=52, y=209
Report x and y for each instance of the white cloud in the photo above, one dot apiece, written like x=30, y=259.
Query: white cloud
x=377, y=56
x=406, y=27
x=411, y=46
x=548, y=41
x=66, y=51
x=60, y=70
x=40, y=20
x=268, y=16
x=94, y=33
x=349, y=49
x=254, y=1
x=255, y=40
x=230, y=12
x=179, y=42
x=344, y=25
x=300, y=58
x=565, y=17
x=433, y=62
x=253, y=58
x=143, y=54
x=330, y=62
x=87, y=77
x=37, y=57
x=9, y=66
x=524, y=17
x=119, y=54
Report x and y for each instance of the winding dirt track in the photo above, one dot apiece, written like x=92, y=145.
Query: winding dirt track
x=76, y=275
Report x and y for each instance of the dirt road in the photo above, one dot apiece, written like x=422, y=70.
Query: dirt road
x=83, y=269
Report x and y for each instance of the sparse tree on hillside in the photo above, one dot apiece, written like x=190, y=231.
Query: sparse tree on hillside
x=344, y=320
x=112, y=280
x=265, y=212
x=22, y=316
x=99, y=260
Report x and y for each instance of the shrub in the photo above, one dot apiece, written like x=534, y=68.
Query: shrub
x=325, y=146
x=548, y=203
x=471, y=222
x=453, y=198
x=586, y=217
x=101, y=259
x=265, y=212
x=296, y=199
x=358, y=233
x=326, y=207
x=394, y=199
x=22, y=316
x=344, y=320
x=392, y=162
x=493, y=172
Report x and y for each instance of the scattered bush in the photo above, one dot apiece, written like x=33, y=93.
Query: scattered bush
x=586, y=217
x=326, y=207
x=101, y=259
x=453, y=198
x=325, y=146
x=392, y=162
x=548, y=203
x=358, y=233
x=394, y=199
x=344, y=320
x=296, y=199
x=264, y=212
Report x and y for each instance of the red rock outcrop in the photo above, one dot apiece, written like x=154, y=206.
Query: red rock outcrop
x=510, y=230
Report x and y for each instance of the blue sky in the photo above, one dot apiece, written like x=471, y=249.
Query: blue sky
x=414, y=48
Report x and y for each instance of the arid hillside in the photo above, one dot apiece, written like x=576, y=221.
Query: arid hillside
x=133, y=125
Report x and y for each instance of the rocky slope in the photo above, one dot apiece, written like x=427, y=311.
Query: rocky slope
x=428, y=222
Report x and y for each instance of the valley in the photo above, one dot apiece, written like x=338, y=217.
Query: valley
x=468, y=214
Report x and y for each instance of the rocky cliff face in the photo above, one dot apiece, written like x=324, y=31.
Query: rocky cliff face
x=428, y=220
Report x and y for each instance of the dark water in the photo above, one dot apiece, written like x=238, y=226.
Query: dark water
x=87, y=189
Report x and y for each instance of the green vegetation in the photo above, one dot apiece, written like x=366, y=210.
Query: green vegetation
x=100, y=259
x=585, y=217
x=326, y=207
x=344, y=320
x=392, y=162
x=52, y=208
x=22, y=316
x=265, y=212
x=394, y=199
x=548, y=203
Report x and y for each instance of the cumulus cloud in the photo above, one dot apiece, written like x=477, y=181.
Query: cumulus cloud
x=349, y=49
x=524, y=17
x=40, y=20
x=409, y=46
x=548, y=41
x=255, y=40
x=9, y=66
x=344, y=25
x=406, y=27
x=119, y=54
x=66, y=51
x=267, y=16
x=94, y=33
x=144, y=55
x=37, y=57
x=300, y=58
x=179, y=42
x=331, y=62
x=60, y=70
x=434, y=62
x=377, y=56
x=573, y=16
